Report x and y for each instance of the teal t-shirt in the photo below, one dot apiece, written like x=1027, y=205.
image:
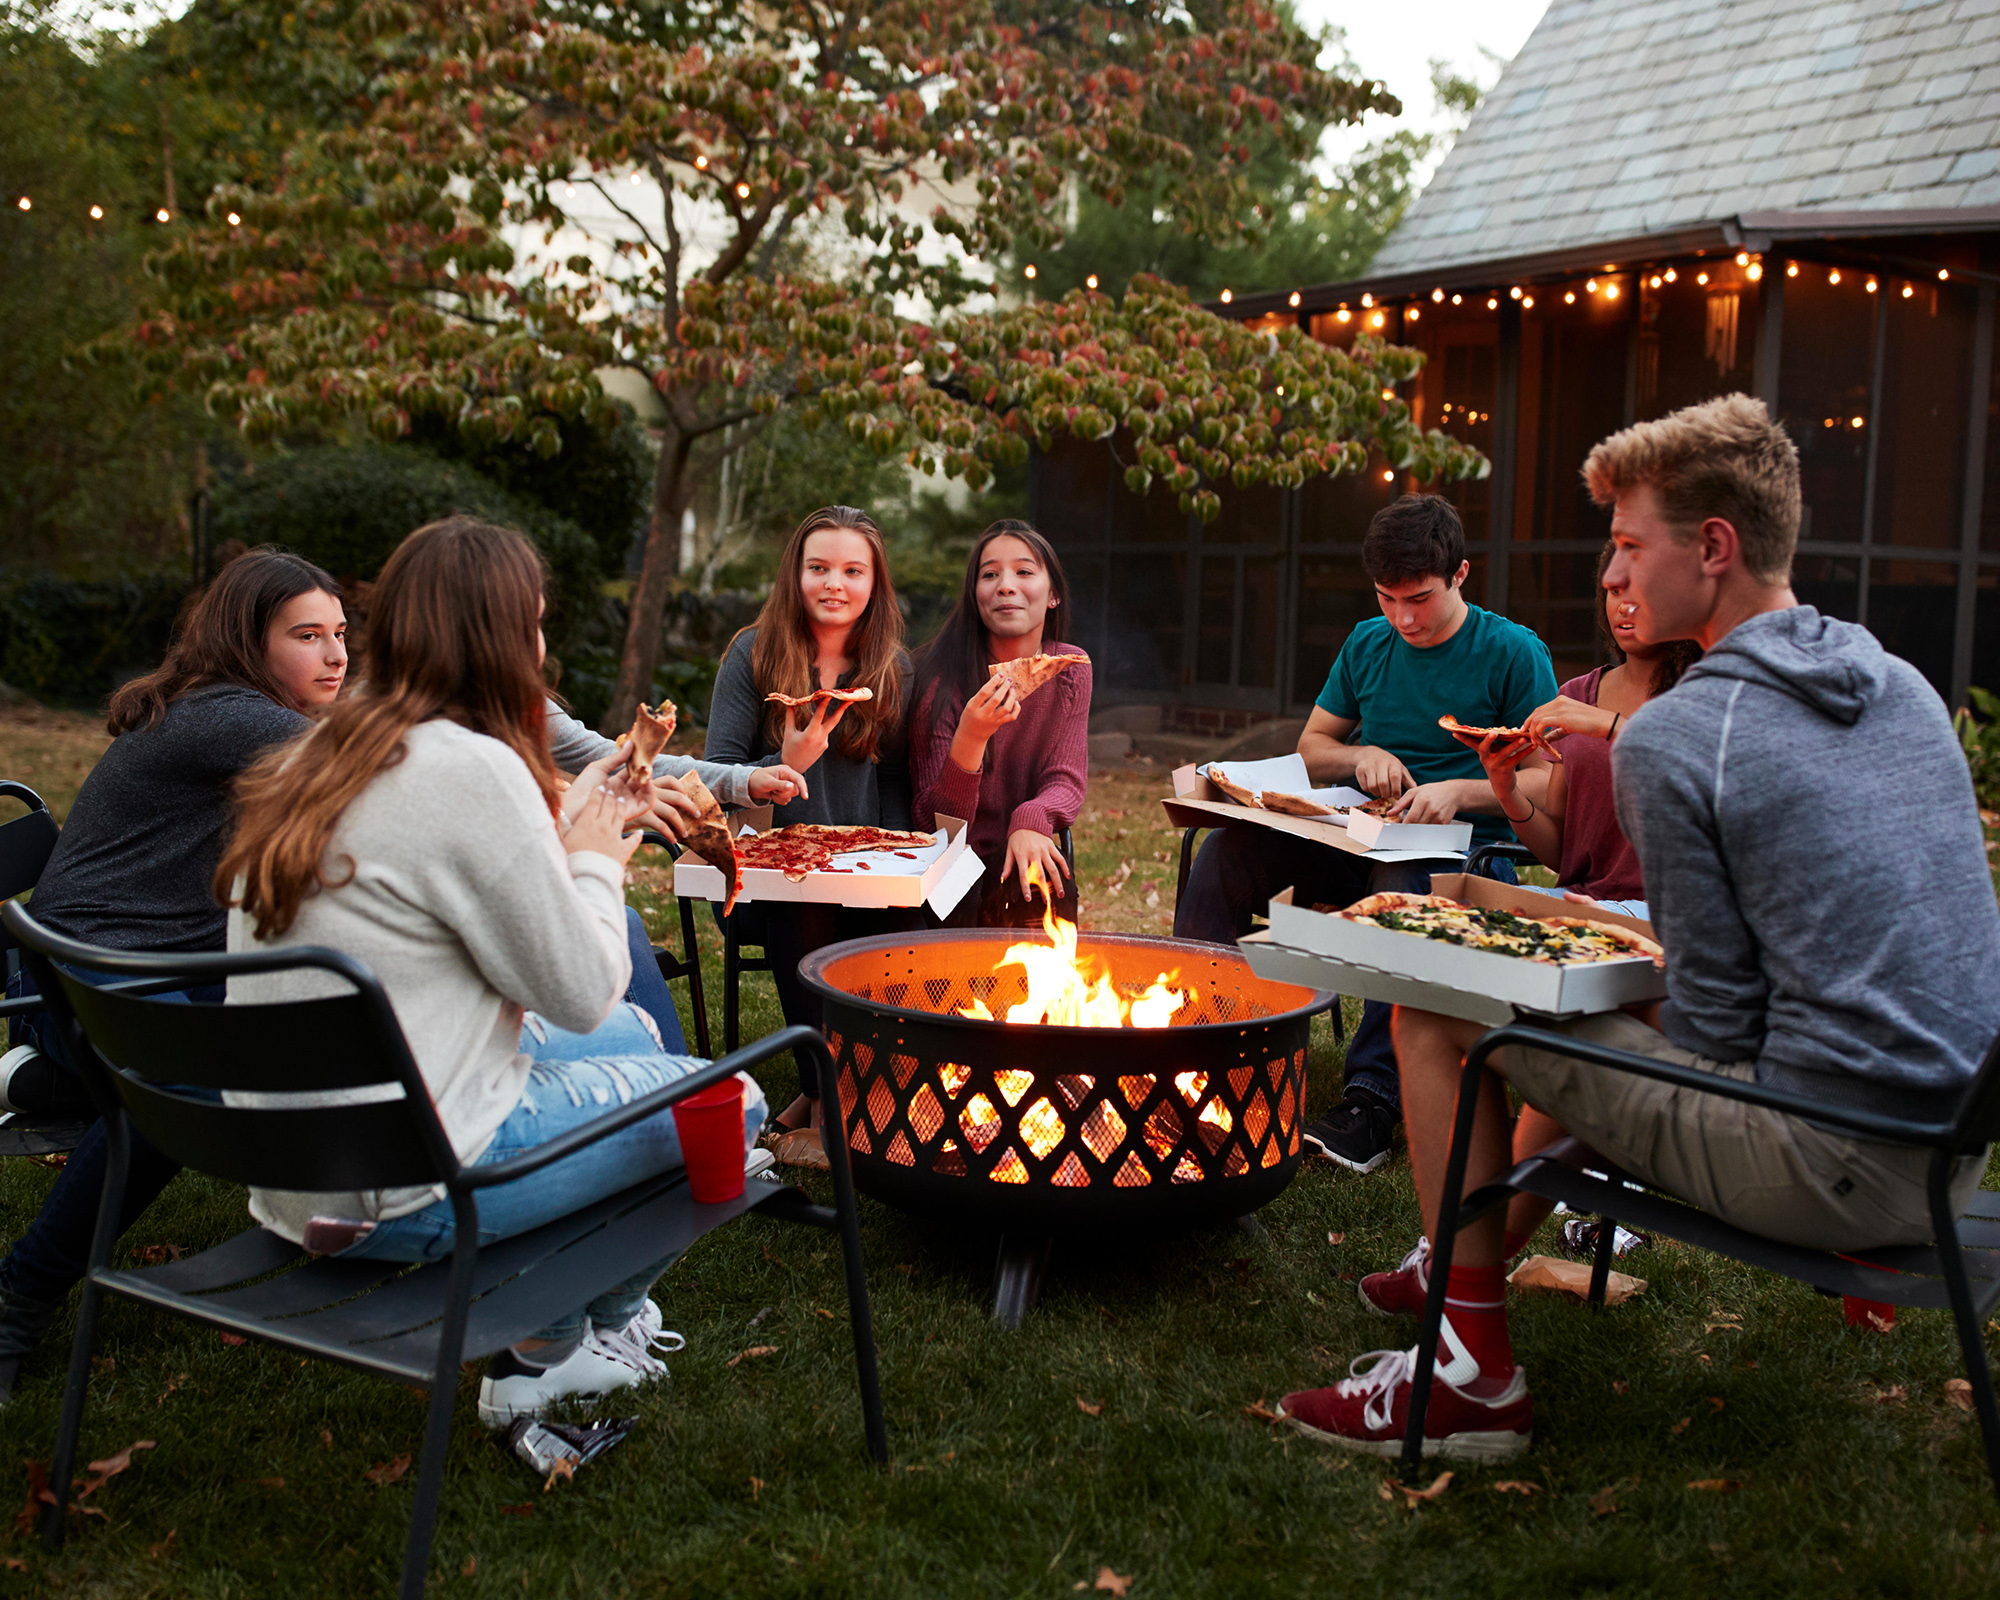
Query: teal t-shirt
x=1489, y=674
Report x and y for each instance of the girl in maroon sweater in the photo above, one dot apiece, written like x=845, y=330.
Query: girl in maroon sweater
x=1013, y=768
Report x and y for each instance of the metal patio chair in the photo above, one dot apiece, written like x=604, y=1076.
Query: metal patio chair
x=1960, y=1269
x=157, y=1069
x=688, y=963
x=26, y=844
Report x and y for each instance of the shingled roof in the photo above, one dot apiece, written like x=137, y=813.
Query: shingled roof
x=1626, y=118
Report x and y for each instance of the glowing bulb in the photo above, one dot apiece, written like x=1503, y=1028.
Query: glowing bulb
x=1743, y=258
x=1343, y=315
x=1672, y=276
x=97, y=213
x=1295, y=297
x=1458, y=299
x=743, y=191
x=161, y=215
x=1090, y=282
x=1412, y=314
x=1514, y=293
x=635, y=177
x=569, y=190
x=1368, y=299
x=1656, y=280
x=25, y=203
x=1791, y=269
x=1610, y=266
x=1227, y=297
x=1492, y=304
x=701, y=163
x=1281, y=388
x=1029, y=270
x=1388, y=394
x=1756, y=271
x=1701, y=277
x=1590, y=286
x=1869, y=286
x=1437, y=297
x=1569, y=297
x=1908, y=291
x=1389, y=477
x=1527, y=302
x=1611, y=291
x=1943, y=275
x=1833, y=276
x=1857, y=421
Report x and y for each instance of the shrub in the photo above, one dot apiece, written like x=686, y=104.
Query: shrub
x=64, y=639
x=1979, y=736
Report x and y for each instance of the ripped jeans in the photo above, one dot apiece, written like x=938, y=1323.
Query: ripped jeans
x=575, y=1078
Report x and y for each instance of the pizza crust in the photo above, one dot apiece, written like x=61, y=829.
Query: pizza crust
x=797, y=700
x=650, y=732
x=709, y=839
x=1394, y=900
x=1233, y=789
x=1637, y=943
x=1030, y=672
x=1452, y=725
x=1294, y=805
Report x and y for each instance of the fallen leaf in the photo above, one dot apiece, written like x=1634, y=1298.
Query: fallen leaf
x=326, y=1438
x=102, y=1472
x=1715, y=1402
x=385, y=1472
x=527, y=1510
x=1959, y=1393
x=158, y=1255
x=1516, y=1486
x=1880, y=1323
x=233, y=1339
x=1090, y=1408
x=821, y=1311
x=1681, y=1427
x=1721, y=1327
x=269, y=1483
x=1335, y=1238
x=1438, y=1485
x=752, y=1354
x=1111, y=1583
x=471, y=1566
x=756, y=1487
x=1261, y=1412
x=39, y=1495
x=1716, y=1485
x=160, y=1551
x=561, y=1470
x=16, y=1564
x=1152, y=899
x=1620, y=1386
x=1705, y=1360
x=1894, y=1395
x=1605, y=1502
x=948, y=1457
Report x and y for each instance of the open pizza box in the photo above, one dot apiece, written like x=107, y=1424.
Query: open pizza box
x=938, y=876
x=1329, y=952
x=1198, y=803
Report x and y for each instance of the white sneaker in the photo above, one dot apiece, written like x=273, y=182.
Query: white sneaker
x=12, y=1062
x=644, y=1334
x=512, y=1389
x=758, y=1162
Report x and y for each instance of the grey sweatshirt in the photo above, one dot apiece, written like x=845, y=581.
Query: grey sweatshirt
x=1814, y=862
x=575, y=746
x=872, y=794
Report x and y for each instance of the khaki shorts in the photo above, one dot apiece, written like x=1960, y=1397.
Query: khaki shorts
x=1766, y=1172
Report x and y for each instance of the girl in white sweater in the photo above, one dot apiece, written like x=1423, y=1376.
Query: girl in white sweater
x=419, y=829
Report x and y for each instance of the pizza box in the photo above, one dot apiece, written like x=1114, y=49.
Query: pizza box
x=1197, y=803
x=938, y=878
x=1483, y=985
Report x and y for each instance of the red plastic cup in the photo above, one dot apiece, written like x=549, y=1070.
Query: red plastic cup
x=710, y=1125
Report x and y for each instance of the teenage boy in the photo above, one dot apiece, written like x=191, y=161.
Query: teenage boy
x=1883, y=978
x=1375, y=727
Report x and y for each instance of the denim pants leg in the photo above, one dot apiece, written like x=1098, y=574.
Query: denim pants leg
x=575, y=1079
x=648, y=990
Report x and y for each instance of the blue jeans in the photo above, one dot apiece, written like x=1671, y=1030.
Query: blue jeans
x=649, y=991
x=1236, y=872
x=1625, y=908
x=575, y=1078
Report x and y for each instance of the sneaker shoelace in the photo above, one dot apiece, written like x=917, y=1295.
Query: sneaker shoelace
x=1420, y=1252
x=1374, y=1376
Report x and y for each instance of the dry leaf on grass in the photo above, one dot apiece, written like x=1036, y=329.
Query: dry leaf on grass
x=756, y=1488
x=1681, y=1427
x=269, y=1483
x=384, y=1472
x=160, y=1551
x=1620, y=1386
x=233, y=1339
x=1262, y=1412
x=39, y=1495
x=158, y=1255
x=561, y=1470
x=1573, y=1277
x=326, y=1438
x=1959, y=1393
x=752, y=1354
x=1437, y=1486
x=1335, y=1238
x=102, y=1472
x=471, y=1566
x=1605, y=1502
x=1516, y=1486
x=1716, y=1485
x=1894, y=1395
x=1090, y=1408
x=821, y=1311
x=16, y=1564
x=1715, y=1402
x=1111, y=1583
x=527, y=1510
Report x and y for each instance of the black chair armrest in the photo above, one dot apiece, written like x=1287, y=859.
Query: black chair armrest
x=1484, y=855
x=1868, y=1124
x=799, y=1037
x=654, y=837
x=139, y=986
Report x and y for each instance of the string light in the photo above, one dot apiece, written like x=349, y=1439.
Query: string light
x=1656, y=280
x=1791, y=269
x=1833, y=276
x=1527, y=302
x=1756, y=271
x=701, y=163
x=1368, y=299
x=1611, y=291
x=162, y=215
x=1870, y=286
x=1227, y=297
x=1376, y=321
x=1943, y=275
x=1458, y=299
x=1388, y=477
x=1701, y=277
x=1514, y=293
x=743, y=191
x=97, y=213
x=1672, y=276
x=1590, y=286
x=1569, y=298
x=1388, y=394
x=1281, y=388
x=1295, y=299
x=1743, y=258
x=235, y=221
x=569, y=190
x=1610, y=266
x=25, y=203
x=1090, y=282
x=1029, y=270
x=1343, y=315
x=1437, y=297
x=1413, y=314
x=1908, y=290
x=635, y=177
x=1492, y=304
x=1860, y=422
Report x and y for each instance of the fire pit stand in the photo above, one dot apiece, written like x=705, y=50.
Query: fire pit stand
x=1035, y=1129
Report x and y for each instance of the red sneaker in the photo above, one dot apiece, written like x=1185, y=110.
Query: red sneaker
x=1367, y=1412
x=1400, y=1293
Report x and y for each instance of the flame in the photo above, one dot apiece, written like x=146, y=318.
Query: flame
x=1060, y=994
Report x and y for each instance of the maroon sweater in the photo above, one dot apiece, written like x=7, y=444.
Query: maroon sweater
x=1033, y=775
x=1597, y=858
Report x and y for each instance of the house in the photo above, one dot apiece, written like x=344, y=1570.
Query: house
x=1660, y=201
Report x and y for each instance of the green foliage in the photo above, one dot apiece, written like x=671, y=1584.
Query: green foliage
x=589, y=675
x=1978, y=728
x=75, y=640
x=347, y=507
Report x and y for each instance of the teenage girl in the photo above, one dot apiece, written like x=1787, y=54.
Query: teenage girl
x=831, y=622
x=1014, y=769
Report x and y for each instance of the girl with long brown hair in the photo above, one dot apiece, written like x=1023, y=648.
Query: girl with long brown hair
x=258, y=653
x=831, y=622
x=1015, y=769
x=420, y=829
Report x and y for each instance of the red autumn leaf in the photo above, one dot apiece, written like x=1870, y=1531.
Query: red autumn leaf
x=386, y=1472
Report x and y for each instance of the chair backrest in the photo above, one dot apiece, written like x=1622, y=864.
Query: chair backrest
x=166, y=1061
x=26, y=843
x=1978, y=1118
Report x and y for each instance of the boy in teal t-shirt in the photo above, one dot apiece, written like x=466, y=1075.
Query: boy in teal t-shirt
x=1375, y=727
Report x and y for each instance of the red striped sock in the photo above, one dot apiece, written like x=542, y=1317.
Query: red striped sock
x=1475, y=1298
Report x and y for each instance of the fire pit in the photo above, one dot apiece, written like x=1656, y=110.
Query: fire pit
x=1167, y=1089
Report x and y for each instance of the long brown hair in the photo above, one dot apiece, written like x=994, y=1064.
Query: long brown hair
x=221, y=636
x=452, y=624
x=1673, y=659
x=782, y=658
x=952, y=666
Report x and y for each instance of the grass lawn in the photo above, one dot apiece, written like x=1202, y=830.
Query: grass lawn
x=1111, y=1431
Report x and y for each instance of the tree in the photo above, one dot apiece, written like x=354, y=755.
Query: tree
x=378, y=279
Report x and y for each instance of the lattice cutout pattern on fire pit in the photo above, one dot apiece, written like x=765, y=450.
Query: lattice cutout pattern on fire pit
x=965, y=1108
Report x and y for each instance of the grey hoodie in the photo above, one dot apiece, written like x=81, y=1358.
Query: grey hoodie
x=1814, y=862
x=575, y=746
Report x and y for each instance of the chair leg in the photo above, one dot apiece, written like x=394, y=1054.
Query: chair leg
x=732, y=979
x=697, y=998
x=850, y=1251
x=1600, y=1265
x=1971, y=1343
x=444, y=1391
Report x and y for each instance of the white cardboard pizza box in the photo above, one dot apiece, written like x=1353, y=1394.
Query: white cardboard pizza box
x=939, y=878
x=1197, y=803
x=1433, y=838
x=1282, y=964
x=1382, y=964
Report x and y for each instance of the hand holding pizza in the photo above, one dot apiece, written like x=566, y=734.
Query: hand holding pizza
x=670, y=812
x=613, y=772
x=1380, y=773
x=996, y=703
x=1563, y=715
x=599, y=822
x=804, y=746
x=777, y=786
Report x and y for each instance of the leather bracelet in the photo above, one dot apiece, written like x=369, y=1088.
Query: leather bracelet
x=1611, y=733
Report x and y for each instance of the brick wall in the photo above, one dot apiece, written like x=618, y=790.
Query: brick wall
x=1213, y=720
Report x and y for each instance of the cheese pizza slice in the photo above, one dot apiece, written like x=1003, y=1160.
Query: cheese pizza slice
x=1473, y=736
x=709, y=838
x=1294, y=805
x=1030, y=672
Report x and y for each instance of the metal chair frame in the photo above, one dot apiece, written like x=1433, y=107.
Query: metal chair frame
x=411, y=1326
x=688, y=963
x=26, y=843
x=1960, y=1269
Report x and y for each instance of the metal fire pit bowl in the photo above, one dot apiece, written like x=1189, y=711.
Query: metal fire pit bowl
x=1037, y=1129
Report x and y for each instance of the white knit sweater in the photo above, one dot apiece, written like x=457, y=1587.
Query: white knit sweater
x=463, y=902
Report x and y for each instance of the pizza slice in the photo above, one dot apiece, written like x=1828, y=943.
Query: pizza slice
x=1030, y=672
x=840, y=840
x=1611, y=933
x=709, y=838
x=1380, y=806
x=1233, y=789
x=1294, y=805
x=650, y=732
x=1397, y=901
x=797, y=700
x=1473, y=736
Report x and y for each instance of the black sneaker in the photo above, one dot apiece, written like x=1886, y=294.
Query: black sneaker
x=23, y=1322
x=1359, y=1132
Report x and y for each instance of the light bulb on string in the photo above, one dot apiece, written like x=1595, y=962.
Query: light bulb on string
x=1343, y=315
x=1376, y=321
x=25, y=203
x=1389, y=477
x=1611, y=291
x=1908, y=290
x=1514, y=293
x=1458, y=299
x=1755, y=271
x=1413, y=314
x=1569, y=297
x=701, y=163
x=1869, y=286
x=1492, y=304
x=1367, y=299
x=1655, y=280
x=235, y=221
x=1227, y=297
x=97, y=213
x=1791, y=269
x=1671, y=276
x=1590, y=286
x=1743, y=258
x=1029, y=270
x=1527, y=302
x=1701, y=277
x=162, y=215
x=1294, y=301
x=1944, y=275
x=1090, y=282
x=1833, y=276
